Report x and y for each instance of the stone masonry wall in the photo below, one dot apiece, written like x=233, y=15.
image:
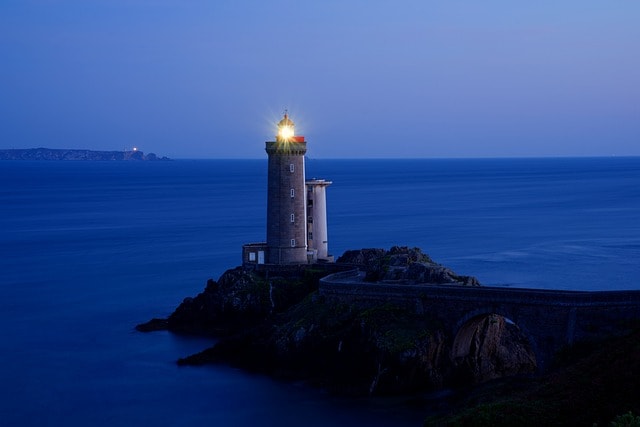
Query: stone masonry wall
x=551, y=319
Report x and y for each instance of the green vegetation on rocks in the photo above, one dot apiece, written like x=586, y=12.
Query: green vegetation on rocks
x=598, y=387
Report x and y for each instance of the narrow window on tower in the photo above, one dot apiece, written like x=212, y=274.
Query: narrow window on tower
x=292, y=167
x=293, y=243
x=293, y=218
x=293, y=193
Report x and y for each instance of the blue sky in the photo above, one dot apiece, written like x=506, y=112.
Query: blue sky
x=209, y=79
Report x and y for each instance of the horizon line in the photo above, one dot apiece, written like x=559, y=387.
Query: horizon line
x=428, y=158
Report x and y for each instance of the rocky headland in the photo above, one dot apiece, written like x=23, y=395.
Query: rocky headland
x=72, y=154
x=276, y=322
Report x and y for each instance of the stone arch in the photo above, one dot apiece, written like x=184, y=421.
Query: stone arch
x=488, y=344
x=503, y=312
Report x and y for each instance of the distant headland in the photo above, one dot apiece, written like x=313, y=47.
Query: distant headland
x=72, y=154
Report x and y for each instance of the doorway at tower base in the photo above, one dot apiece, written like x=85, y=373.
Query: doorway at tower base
x=257, y=254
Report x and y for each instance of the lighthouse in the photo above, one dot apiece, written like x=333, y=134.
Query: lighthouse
x=286, y=219
x=296, y=209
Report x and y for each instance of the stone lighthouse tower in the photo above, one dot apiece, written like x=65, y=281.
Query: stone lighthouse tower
x=286, y=219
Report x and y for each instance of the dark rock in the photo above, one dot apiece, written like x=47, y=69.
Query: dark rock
x=598, y=384
x=403, y=265
x=361, y=257
x=153, y=325
x=497, y=348
x=272, y=320
x=381, y=350
x=241, y=298
x=277, y=324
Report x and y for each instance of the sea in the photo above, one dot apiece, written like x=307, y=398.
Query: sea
x=90, y=249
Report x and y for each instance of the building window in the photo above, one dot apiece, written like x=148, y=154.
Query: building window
x=293, y=243
x=310, y=235
x=310, y=219
x=293, y=218
x=292, y=168
x=293, y=193
x=252, y=256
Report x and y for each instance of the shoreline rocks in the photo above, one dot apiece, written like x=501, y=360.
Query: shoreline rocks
x=279, y=325
x=274, y=321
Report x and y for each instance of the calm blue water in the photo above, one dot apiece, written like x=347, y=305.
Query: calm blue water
x=88, y=250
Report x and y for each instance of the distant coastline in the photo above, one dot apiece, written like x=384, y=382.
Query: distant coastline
x=77, y=155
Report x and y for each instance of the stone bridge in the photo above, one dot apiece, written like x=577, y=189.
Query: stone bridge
x=551, y=319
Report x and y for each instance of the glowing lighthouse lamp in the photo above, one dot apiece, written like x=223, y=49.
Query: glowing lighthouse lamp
x=286, y=131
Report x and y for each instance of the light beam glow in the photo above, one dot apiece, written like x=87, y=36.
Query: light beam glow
x=285, y=132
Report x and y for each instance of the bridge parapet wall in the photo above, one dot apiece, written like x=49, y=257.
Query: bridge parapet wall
x=349, y=282
x=550, y=318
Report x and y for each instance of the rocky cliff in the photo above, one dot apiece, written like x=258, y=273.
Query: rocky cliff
x=64, y=154
x=404, y=265
x=594, y=384
x=274, y=321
